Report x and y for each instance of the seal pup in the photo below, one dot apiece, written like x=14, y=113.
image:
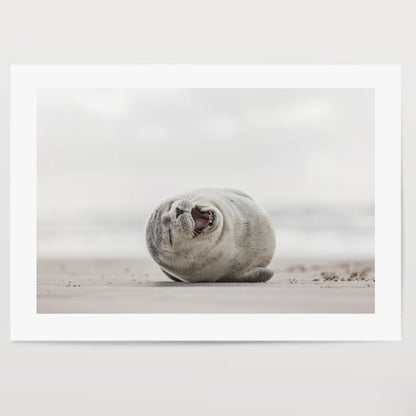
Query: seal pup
x=211, y=235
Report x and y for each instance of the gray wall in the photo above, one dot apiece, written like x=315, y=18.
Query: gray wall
x=279, y=378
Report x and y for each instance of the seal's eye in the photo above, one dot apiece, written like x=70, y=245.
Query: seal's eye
x=179, y=212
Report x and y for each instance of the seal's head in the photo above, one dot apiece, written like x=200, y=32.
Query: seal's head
x=180, y=225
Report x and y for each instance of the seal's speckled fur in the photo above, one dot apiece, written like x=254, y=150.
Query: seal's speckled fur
x=236, y=246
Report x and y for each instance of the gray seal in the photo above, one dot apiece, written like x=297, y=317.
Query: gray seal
x=211, y=235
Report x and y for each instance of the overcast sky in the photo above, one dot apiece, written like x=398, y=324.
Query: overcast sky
x=115, y=151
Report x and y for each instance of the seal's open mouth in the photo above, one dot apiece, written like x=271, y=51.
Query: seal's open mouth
x=202, y=219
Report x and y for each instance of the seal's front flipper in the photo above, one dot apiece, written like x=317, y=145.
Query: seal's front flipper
x=257, y=275
x=171, y=277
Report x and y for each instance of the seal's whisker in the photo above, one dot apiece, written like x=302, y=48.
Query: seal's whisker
x=186, y=195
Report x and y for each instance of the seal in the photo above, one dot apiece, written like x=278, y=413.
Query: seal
x=211, y=235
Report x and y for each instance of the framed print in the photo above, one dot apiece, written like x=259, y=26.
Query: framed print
x=205, y=202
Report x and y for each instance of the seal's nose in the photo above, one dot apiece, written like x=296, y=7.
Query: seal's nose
x=179, y=212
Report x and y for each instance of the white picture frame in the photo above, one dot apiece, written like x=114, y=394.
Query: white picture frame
x=384, y=324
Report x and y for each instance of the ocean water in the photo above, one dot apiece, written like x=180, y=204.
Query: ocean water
x=313, y=232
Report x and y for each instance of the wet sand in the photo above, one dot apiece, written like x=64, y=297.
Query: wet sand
x=138, y=286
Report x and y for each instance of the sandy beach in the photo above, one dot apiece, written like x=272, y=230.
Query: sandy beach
x=138, y=286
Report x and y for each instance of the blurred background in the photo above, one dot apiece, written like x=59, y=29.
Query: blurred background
x=107, y=157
